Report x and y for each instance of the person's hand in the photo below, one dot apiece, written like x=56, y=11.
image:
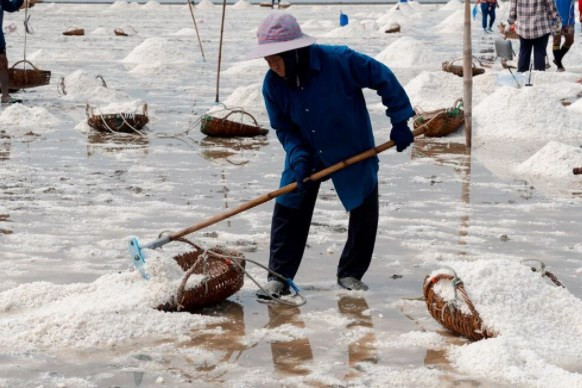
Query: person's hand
x=301, y=169
x=557, y=27
x=401, y=135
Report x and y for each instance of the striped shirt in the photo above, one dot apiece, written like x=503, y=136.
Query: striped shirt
x=534, y=17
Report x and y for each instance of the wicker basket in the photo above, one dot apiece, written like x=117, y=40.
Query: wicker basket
x=27, y=78
x=449, y=315
x=440, y=122
x=450, y=67
x=118, y=122
x=395, y=27
x=120, y=32
x=223, y=279
x=222, y=127
x=74, y=32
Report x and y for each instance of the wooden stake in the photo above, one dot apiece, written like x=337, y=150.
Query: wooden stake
x=196, y=28
x=220, y=51
x=467, y=75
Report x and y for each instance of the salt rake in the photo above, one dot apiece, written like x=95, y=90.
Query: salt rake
x=137, y=251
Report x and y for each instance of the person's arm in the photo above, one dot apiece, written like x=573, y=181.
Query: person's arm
x=513, y=12
x=287, y=132
x=370, y=73
x=553, y=11
x=11, y=5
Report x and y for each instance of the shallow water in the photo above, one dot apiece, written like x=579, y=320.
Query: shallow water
x=69, y=200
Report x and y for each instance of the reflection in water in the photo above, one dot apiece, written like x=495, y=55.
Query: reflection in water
x=4, y=146
x=465, y=199
x=362, y=348
x=115, y=142
x=234, y=151
x=289, y=357
x=5, y=218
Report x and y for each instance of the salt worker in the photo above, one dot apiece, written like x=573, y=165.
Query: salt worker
x=8, y=6
x=314, y=99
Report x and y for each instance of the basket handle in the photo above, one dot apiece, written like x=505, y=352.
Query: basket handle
x=89, y=111
x=243, y=112
x=25, y=61
x=145, y=108
x=473, y=59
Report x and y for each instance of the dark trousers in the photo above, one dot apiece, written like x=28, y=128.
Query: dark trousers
x=488, y=9
x=539, y=46
x=290, y=228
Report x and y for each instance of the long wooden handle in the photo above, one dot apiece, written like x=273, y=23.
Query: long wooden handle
x=287, y=189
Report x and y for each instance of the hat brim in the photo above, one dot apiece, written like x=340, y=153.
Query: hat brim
x=264, y=50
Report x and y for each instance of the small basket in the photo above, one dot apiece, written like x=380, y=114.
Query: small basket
x=447, y=314
x=395, y=27
x=117, y=122
x=440, y=122
x=449, y=66
x=119, y=32
x=74, y=32
x=222, y=127
x=223, y=278
x=27, y=78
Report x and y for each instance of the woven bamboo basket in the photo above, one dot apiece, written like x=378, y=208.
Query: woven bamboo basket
x=223, y=278
x=119, y=32
x=27, y=78
x=74, y=32
x=394, y=27
x=450, y=67
x=222, y=127
x=449, y=314
x=440, y=122
x=117, y=122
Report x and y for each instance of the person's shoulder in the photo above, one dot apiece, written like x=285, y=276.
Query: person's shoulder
x=333, y=50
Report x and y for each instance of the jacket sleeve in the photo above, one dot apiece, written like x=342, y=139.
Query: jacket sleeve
x=370, y=73
x=287, y=132
x=552, y=10
x=512, y=12
x=11, y=5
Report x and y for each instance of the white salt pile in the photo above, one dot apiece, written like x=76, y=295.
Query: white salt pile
x=452, y=5
x=151, y=4
x=393, y=16
x=354, y=29
x=45, y=315
x=407, y=52
x=158, y=50
x=554, y=161
x=453, y=24
x=205, y=4
x=317, y=24
x=539, y=326
x=119, y=4
x=248, y=97
x=241, y=4
x=254, y=67
x=185, y=32
x=129, y=107
x=18, y=120
x=84, y=87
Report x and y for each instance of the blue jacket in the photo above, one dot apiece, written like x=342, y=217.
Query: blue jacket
x=8, y=6
x=566, y=11
x=326, y=120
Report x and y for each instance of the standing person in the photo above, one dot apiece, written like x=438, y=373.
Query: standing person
x=566, y=11
x=487, y=10
x=313, y=95
x=536, y=19
x=8, y=6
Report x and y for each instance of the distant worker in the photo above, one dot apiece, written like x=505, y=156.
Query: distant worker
x=566, y=10
x=8, y=6
x=488, y=11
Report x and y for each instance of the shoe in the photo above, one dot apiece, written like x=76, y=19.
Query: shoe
x=274, y=290
x=489, y=30
x=561, y=69
x=352, y=284
x=12, y=101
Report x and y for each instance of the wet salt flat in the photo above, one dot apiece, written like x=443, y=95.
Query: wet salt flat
x=73, y=312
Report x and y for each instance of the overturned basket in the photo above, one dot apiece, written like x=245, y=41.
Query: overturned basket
x=440, y=122
x=222, y=127
x=117, y=122
x=224, y=276
x=27, y=78
x=74, y=32
x=449, y=313
x=450, y=67
x=394, y=27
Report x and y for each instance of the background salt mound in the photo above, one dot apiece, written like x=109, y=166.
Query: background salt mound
x=158, y=50
x=119, y=4
x=185, y=32
x=72, y=315
x=452, y=6
x=135, y=106
x=354, y=29
x=539, y=326
x=554, y=161
x=18, y=119
x=393, y=16
x=256, y=67
x=81, y=86
x=100, y=31
x=406, y=52
x=241, y=4
x=205, y=4
x=495, y=117
x=151, y=4
x=249, y=98
x=452, y=24
x=316, y=24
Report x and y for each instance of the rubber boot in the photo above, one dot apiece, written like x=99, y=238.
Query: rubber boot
x=558, y=55
x=564, y=50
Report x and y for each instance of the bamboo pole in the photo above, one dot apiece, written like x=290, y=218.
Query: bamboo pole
x=220, y=51
x=196, y=28
x=467, y=75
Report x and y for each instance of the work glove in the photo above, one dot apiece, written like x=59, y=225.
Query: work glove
x=401, y=135
x=301, y=169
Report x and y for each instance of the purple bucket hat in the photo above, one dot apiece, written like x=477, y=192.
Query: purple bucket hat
x=279, y=32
